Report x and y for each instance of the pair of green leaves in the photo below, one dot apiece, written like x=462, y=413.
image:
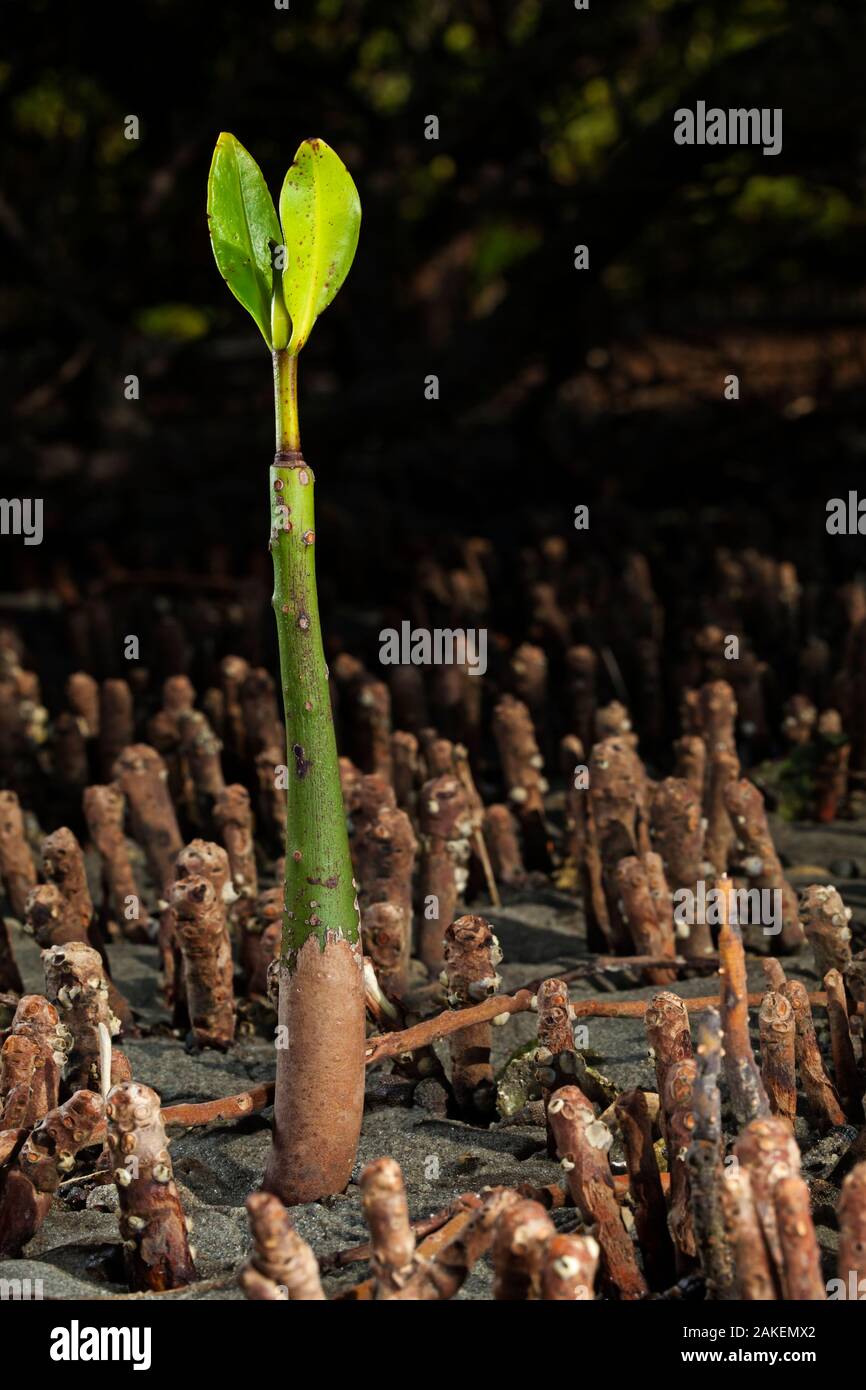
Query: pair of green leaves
x=284, y=276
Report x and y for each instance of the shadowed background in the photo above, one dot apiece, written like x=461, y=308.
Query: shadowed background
x=557, y=387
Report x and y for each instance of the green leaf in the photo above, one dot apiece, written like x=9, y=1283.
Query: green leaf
x=243, y=224
x=321, y=215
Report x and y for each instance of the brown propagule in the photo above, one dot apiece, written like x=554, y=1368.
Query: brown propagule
x=200, y=923
x=821, y=1097
x=104, y=810
x=445, y=824
x=471, y=955
x=282, y=1267
x=645, y=1186
x=758, y=858
x=678, y=836
x=778, y=1031
x=746, y=1088
x=75, y=982
x=32, y=1059
x=152, y=1223
x=44, y=1158
x=17, y=869
x=582, y=1143
x=705, y=1160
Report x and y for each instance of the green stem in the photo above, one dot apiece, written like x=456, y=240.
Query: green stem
x=320, y=896
x=286, y=401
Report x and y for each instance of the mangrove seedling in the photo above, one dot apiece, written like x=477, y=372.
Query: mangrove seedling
x=285, y=271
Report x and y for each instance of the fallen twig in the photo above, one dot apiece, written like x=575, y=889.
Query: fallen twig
x=228, y=1108
x=441, y=1025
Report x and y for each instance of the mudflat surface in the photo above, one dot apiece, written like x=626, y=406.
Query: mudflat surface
x=77, y=1253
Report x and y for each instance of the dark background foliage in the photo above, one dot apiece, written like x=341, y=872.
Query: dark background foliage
x=558, y=387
